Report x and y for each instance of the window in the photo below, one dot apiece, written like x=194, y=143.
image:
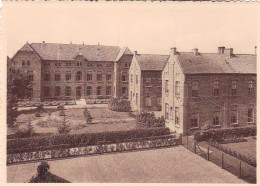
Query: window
x=78, y=76
x=99, y=76
x=89, y=65
x=23, y=63
x=124, y=77
x=159, y=81
x=124, y=91
x=46, y=92
x=78, y=92
x=195, y=118
x=177, y=89
x=131, y=75
x=68, y=76
x=136, y=98
x=57, y=91
x=216, y=116
x=46, y=64
x=30, y=75
x=166, y=86
x=177, y=116
x=109, y=77
x=166, y=111
x=89, y=90
x=148, y=101
x=109, y=65
x=30, y=93
x=159, y=100
x=28, y=63
x=79, y=64
x=57, y=77
x=148, y=82
x=250, y=114
x=99, y=65
x=108, y=90
x=136, y=79
x=234, y=88
x=126, y=65
x=46, y=76
x=89, y=76
x=250, y=87
x=216, y=88
x=195, y=89
x=99, y=90
x=57, y=64
x=234, y=115
x=68, y=64
x=67, y=91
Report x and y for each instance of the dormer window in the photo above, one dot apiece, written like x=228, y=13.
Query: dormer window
x=68, y=64
x=79, y=64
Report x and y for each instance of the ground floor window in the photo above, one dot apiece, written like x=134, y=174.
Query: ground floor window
x=89, y=90
x=250, y=114
x=166, y=111
x=68, y=91
x=108, y=90
x=124, y=91
x=148, y=100
x=78, y=92
x=177, y=116
x=216, y=116
x=234, y=115
x=99, y=90
x=57, y=91
x=195, y=118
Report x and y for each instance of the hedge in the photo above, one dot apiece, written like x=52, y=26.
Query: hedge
x=75, y=140
x=220, y=134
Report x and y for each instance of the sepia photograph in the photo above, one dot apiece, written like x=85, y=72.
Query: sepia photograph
x=129, y=92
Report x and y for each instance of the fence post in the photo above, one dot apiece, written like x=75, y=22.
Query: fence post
x=187, y=142
x=222, y=160
x=195, y=147
x=239, y=170
x=208, y=153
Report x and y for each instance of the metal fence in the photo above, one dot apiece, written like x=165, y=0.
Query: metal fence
x=235, y=166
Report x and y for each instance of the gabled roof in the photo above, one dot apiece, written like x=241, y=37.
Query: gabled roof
x=151, y=62
x=216, y=63
x=123, y=51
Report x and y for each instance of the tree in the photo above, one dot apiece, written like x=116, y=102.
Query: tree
x=64, y=127
x=87, y=116
x=17, y=88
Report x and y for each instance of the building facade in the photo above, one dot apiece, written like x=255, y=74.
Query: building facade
x=145, y=82
x=73, y=71
x=201, y=89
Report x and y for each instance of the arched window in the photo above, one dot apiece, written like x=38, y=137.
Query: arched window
x=250, y=114
x=234, y=115
x=216, y=116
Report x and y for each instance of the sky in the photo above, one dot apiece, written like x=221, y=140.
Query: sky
x=151, y=28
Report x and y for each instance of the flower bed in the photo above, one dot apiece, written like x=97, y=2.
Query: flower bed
x=101, y=147
x=75, y=140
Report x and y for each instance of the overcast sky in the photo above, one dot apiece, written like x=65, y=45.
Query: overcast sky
x=145, y=27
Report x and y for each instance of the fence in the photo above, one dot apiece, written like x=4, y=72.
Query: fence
x=235, y=166
x=64, y=152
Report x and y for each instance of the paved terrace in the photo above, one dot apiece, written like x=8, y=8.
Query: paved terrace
x=173, y=165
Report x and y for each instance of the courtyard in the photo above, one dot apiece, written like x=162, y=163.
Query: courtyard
x=166, y=165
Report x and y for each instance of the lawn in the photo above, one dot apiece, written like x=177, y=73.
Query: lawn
x=103, y=120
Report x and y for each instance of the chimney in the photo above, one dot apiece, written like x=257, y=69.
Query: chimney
x=83, y=43
x=255, y=50
x=42, y=41
x=135, y=52
x=221, y=50
x=228, y=51
x=70, y=42
x=195, y=51
x=174, y=51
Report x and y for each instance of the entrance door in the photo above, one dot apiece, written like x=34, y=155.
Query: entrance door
x=78, y=92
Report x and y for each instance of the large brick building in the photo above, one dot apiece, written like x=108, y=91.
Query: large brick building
x=209, y=88
x=145, y=81
x=74, y=71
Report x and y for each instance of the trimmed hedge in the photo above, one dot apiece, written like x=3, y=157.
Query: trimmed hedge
x=220, y=134
x=76, y=140
x=119, y=104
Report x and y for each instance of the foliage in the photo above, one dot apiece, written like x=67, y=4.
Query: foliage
x=146, y=119
x=29, y=131
x=60, y=107
x=64, y=127
x=119, y=104
x=62, y=113
x=76, y=140
x=37, y=114
x=87, y=116
x=17, y=88
x=220, y=135
x=40, y=108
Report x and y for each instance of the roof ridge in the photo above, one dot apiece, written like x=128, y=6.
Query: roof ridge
x=76, y=44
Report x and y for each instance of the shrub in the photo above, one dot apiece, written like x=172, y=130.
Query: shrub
x=77, y=140
x=60, y=107
x=40, y=108
x=146, y=119
x=64, y=127
x=62, y=113
x=37, y=114
x=87, y=116
x=27, y=132
x=119, y=104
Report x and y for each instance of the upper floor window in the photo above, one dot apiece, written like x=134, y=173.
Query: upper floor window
x=177, y=116
x=124, y=77
x=250, y=87
x=89, y=65
x=78, y=76
x=109, y=65
x=234, y=115
x=68, y=64
x=23, y=63
x=216, y=116
x=166, y=86
x=57, y=64
x=109, y=76
x=68, y=76
x=148, y=82
x=89, y=76
x=216, y=85
x=136, y=79
x=46, y=76
x=177, y=88
x=250, y=114
x=195, y=118
x=28, y=63
x=30, y=75
x=79, y=64
x=195, y=89
x=47, y=64
x=234, y=87
x=99, y=76
x=126, y=65
x=99, y=65
x=57, y=77
x=89, y=90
